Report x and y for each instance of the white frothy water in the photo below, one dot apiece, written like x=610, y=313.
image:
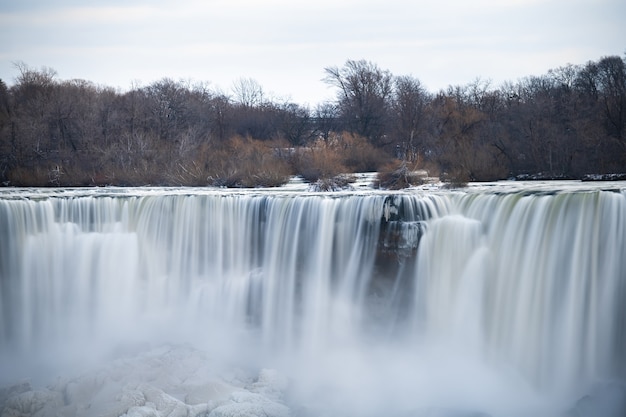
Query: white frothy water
x=505, y=303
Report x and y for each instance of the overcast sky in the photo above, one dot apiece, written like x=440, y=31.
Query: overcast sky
x=285, y=44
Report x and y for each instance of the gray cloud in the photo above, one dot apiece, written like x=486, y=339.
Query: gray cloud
x=285, y=45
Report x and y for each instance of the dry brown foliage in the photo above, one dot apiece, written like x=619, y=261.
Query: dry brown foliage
x=398, y=174
x=340, y=153
x=245, y=162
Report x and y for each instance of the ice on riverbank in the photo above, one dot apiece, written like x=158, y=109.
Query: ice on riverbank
x=168, y=381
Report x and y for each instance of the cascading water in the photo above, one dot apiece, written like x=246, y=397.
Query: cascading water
x=508, y=303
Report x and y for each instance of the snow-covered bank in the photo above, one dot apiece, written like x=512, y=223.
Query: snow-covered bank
x=181, y=381
x=169, y=381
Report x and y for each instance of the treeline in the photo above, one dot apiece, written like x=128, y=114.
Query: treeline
x=564, y=124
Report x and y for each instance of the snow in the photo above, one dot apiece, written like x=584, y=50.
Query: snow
x=172, y=381
x=362, y=185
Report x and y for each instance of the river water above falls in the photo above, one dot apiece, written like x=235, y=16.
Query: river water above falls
x=501, y=299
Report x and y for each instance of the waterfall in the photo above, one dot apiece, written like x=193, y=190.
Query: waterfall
x=531, y=283
x=534, y=280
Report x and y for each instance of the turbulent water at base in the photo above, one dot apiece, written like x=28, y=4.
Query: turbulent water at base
x=503, y=302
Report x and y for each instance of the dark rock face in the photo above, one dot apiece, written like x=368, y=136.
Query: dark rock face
x=402, y=225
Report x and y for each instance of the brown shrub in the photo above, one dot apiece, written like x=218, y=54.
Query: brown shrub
x=456, y=178
x=245, y=162
x=336, y=183
x=339, y=154
x=475, y=163
x=319, y=161
x=33, y=176
x=488, y=166
x=397, y=175
x=47, y=173
x=357, y=153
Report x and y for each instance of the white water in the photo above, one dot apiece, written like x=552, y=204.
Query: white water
x=492, y=300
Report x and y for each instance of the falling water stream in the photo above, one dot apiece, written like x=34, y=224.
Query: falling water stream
x=507, y=302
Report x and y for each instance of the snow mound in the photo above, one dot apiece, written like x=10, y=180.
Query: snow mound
x=250, y=404
x=168, y=381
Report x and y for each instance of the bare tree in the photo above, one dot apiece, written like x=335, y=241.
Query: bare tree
x=248, y=92
x=612, y=83
x=7, y=140
x=363, y=97
x=326, y=119
x=409, y=106
x=294, y=123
